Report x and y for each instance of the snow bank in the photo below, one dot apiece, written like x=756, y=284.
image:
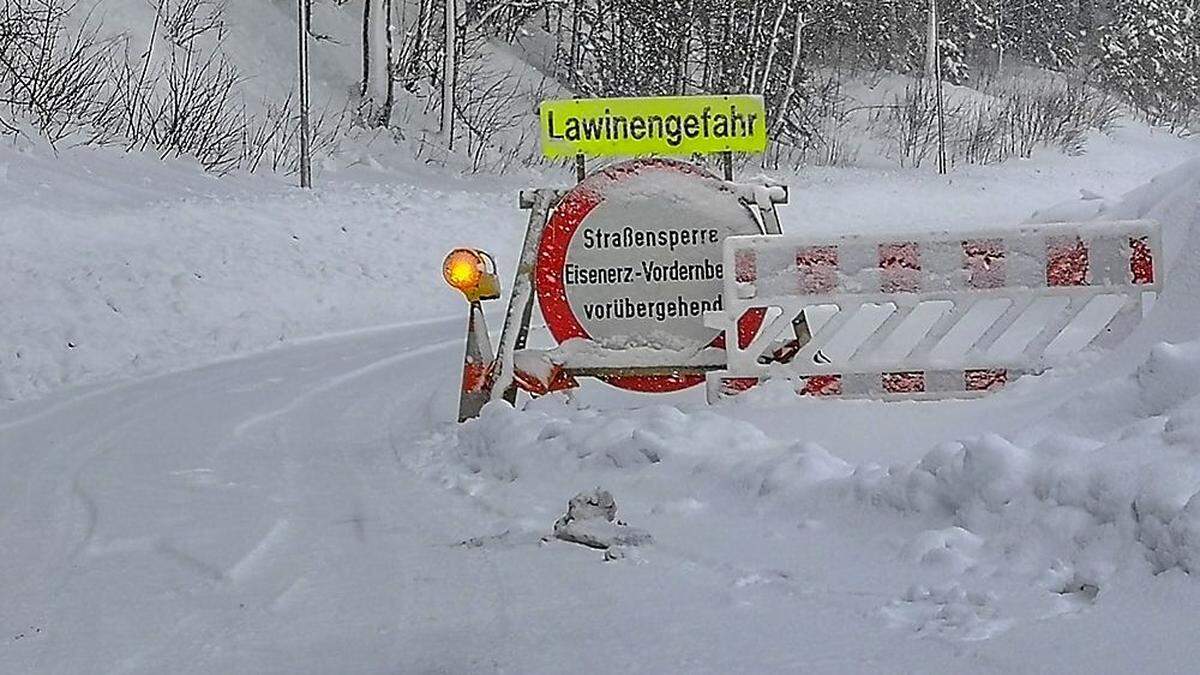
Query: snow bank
x=1062, y=498
x=1173, y=199
x=987, y=531
x=116, y=264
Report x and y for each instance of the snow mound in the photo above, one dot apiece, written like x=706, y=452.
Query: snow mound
x=550, y=436
x=1169, y=376
x=1097, y=507
x=1172, y=199
x=988, y=532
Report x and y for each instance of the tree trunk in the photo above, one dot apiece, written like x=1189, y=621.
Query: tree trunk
x=999, y=36
x=685, y=50
x=376, y=90
x=793, y=69
x=365, y=87
x=931, y=40
x=766, y=76
x=1087, y=27
x=389, y=98
x=576, y=27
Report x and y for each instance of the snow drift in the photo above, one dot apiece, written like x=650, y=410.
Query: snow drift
x=116, y=264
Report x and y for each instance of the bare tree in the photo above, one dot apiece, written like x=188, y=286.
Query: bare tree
x=377, y=90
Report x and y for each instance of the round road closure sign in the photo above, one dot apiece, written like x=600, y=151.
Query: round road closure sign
x=631, y=258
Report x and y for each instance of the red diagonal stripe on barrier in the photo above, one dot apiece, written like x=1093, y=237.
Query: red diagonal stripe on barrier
x=817, y=267
x=745, y=266
x=559, y=380
x=984, y=380
x=731, y=386
x=1141, y=260
x=904, y=383
x=475, y=376
x=1066, y=262
x=985, y=263
x=822, y=385
x=901, y=267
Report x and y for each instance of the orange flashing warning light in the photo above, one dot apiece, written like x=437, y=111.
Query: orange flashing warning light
x=473, y=272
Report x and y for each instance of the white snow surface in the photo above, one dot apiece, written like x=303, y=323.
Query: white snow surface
x=312, y=508
x=115, y=264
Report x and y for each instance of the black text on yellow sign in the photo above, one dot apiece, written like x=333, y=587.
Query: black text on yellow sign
x=670, y=125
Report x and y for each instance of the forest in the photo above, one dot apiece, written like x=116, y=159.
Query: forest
x=462, y=77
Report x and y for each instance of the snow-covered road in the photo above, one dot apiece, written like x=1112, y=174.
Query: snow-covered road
x=259, y=515
x=174, y=523
x=254, y=516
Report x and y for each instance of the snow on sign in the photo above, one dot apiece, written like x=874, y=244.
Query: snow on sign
x=667, y=126
x=631, y=258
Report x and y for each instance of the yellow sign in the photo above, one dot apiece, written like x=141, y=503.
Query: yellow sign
x=668, y=125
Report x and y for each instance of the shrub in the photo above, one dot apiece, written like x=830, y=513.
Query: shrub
x=181, y=96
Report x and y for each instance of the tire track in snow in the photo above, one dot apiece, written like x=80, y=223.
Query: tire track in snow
x=74, y=396
x=251, y=565
x=335, y=382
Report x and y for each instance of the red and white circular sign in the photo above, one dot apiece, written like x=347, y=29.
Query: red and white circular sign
x=631, y=257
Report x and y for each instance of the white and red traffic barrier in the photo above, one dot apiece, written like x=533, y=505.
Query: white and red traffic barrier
x=918, y=384
x=933, y=314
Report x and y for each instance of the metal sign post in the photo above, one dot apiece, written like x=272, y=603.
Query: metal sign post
x=304, y=9
x=935, y=49
x=449, y=71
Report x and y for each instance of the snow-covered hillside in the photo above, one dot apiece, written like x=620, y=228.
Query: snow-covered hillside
x=259, y=38
x=117, y=264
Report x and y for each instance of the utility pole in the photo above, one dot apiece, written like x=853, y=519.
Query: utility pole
x=935, y=51
x=449, y=71
x=305, y=152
